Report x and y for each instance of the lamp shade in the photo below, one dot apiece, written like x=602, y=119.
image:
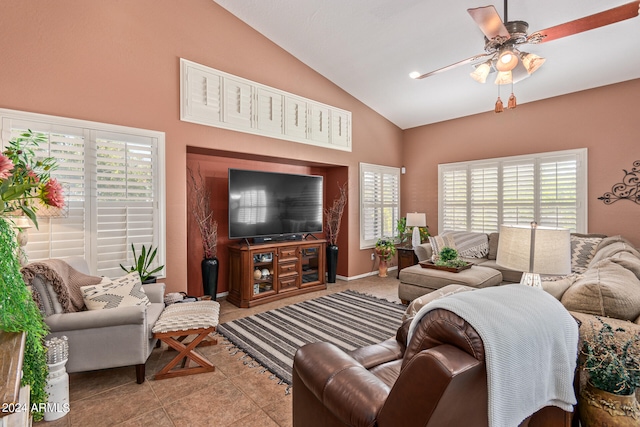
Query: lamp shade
x=534, y=249
x=481, y=72
x=416, y=219
x=532, y=61
x=507, y=60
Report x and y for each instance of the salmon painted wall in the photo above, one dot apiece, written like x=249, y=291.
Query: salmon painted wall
x=118, y=62
x=604, y=120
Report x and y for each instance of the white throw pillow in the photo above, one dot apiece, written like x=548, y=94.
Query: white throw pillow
x=124, y=291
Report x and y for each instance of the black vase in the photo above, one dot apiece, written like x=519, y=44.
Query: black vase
x=210, y=276
x=332, y=263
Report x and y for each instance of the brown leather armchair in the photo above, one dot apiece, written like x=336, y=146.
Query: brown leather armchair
x=438, y=380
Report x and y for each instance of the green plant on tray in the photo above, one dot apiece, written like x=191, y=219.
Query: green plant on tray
x=448, y=257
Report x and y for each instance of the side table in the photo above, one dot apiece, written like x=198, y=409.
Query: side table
x=406, y=258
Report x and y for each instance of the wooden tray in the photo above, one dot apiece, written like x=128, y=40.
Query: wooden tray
x=429, y=264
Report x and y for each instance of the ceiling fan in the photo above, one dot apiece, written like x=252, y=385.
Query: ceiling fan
x=503, y=39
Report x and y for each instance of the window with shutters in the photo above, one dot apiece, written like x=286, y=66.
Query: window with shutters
x=549, y=188
x=379, y=203
x=114, y=190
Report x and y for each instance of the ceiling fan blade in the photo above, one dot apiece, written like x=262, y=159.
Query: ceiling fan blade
x=611, y=16
x=489, y=22
x=457, y=64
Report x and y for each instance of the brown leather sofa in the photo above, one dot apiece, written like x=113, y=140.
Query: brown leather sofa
x=438, y=380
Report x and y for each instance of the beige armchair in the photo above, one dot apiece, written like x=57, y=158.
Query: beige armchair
x=108, y=338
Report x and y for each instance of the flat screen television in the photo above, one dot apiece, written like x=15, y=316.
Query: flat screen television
x=274, y=205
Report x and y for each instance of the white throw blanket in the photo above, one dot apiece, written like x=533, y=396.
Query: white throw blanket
x=467, y=243
x=530, y=343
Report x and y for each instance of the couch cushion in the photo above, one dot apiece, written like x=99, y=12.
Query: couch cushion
x=583, y=248
x=612, y=248
x=508, y=275
x=557, y=288
x=606, y=241
x=124, y=291
x=431, y=279
x=628, y=261
x=423, y=252
x=494, y=239
x=605, y=289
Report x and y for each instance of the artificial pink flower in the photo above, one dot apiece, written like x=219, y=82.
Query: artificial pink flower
x=6, y=166
x=31, y=174
x=52, y=194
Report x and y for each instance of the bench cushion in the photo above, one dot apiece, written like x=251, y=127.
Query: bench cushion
x=187, y=316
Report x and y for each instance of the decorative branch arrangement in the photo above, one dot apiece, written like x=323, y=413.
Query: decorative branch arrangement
x=628, y=189
x=201, y=208
x=334, y=215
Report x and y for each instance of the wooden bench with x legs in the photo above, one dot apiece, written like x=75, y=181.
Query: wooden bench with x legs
x=179, y=321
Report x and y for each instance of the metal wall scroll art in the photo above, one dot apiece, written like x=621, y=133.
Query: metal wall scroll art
x=628, y=189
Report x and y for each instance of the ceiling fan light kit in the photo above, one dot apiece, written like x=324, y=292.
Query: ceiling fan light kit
x=504, y=78
x=481, y=72
x=507, y=60
x=503, y=37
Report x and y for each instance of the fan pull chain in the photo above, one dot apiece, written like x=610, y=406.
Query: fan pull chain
x=499, y=106
x=512, y=99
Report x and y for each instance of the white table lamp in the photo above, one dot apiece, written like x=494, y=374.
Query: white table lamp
x=534, y=250
x=416, y=220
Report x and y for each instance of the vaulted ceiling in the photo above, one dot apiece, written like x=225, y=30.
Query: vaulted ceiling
x=369, y=47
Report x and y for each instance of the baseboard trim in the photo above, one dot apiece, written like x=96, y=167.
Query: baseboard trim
x=362, y=276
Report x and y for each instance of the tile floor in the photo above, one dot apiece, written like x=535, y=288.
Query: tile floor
x=234, y=395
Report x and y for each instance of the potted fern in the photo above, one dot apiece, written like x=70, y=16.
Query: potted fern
x=611, y=358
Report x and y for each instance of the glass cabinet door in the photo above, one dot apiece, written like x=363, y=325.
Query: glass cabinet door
x=263, y=263
x=310, y=262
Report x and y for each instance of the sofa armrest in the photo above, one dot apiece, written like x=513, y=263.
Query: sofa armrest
x=345, y=387
x=155, y=292
x=423, y=252
x=430, y=389
x=378, y=354
x=61, y=322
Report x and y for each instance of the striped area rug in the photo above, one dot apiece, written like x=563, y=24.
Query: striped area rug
x=348, y=319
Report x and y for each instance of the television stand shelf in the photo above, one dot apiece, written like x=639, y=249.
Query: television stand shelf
x=262, y=273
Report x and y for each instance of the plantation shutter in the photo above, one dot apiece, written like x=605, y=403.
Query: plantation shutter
x=558, y=193
x=380, y=203
x=453, y=187
x=59, y=237
x=518, y=192
x=125, y=188
x=549, y=188
x=484, y=202
x=113, y=187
